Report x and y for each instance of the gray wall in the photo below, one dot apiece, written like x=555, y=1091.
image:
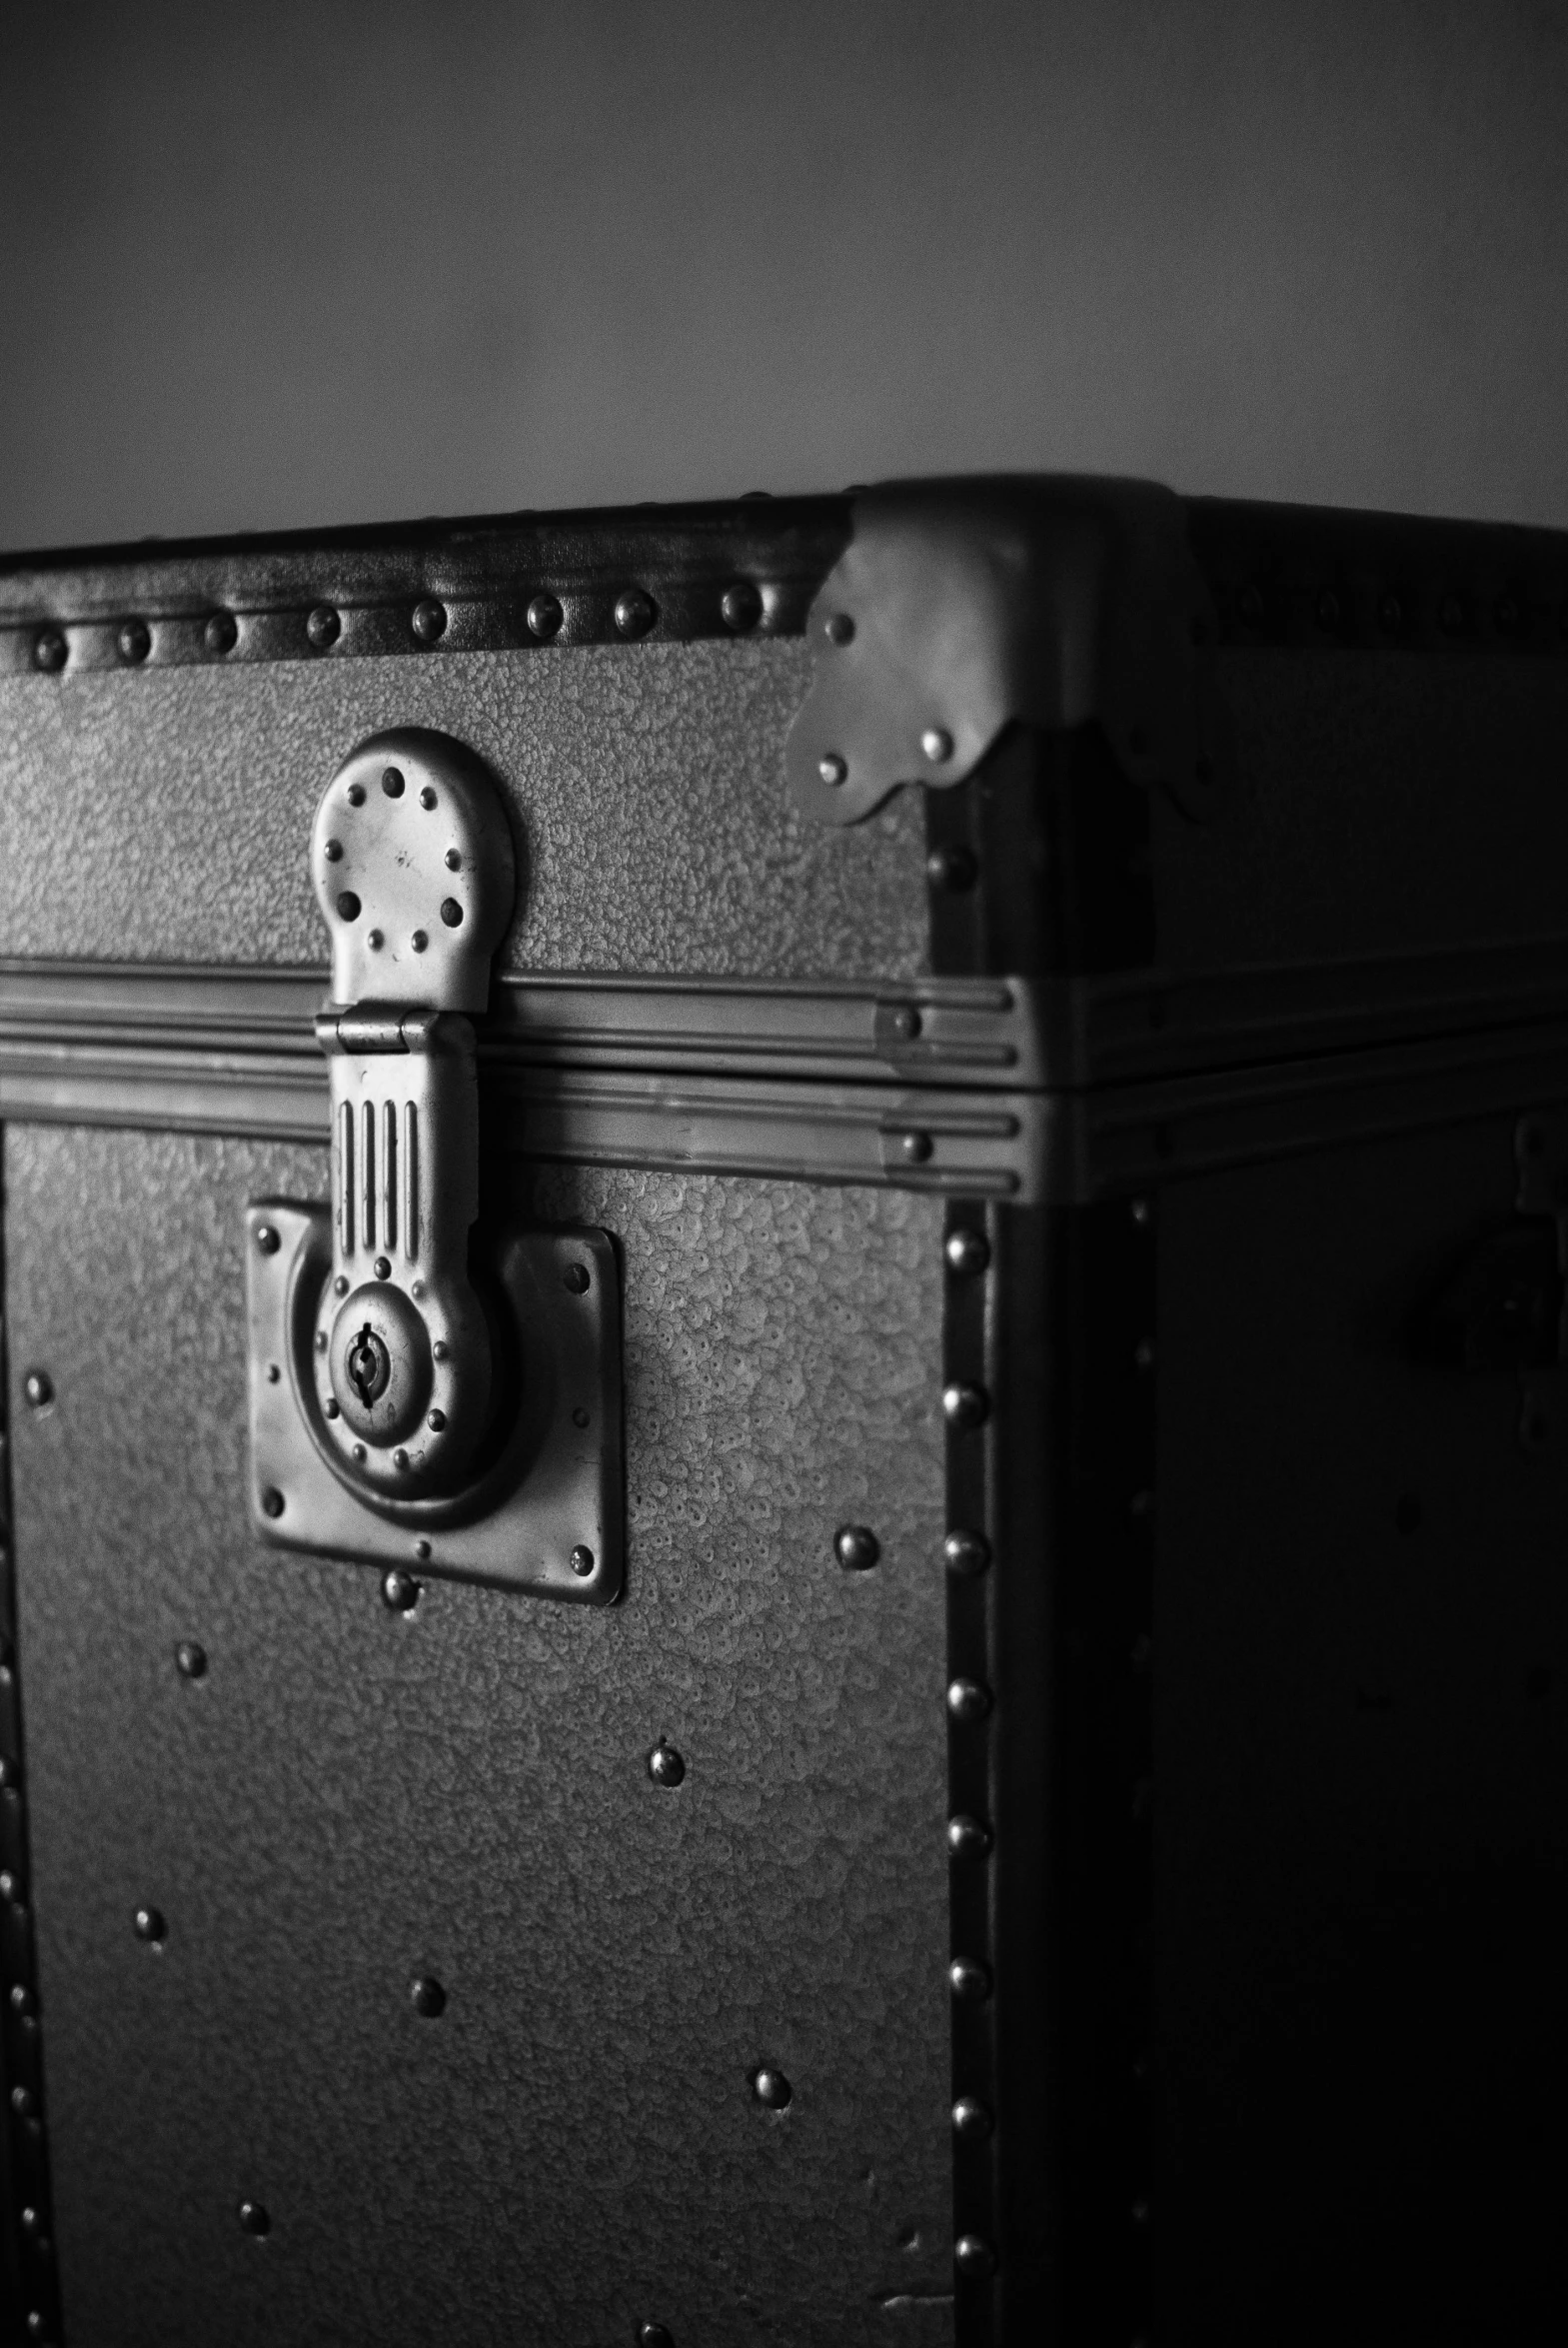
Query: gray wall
x=285, y=265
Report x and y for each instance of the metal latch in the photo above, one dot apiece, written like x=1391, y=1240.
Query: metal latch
x=416, y=1395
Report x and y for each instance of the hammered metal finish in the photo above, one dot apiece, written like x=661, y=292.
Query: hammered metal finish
x=165, y=815
x=354, y=1797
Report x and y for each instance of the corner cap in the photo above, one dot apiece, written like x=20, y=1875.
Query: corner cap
x=960, y=604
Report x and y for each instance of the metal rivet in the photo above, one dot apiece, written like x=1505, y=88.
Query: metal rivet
x=10, y=1887
x=936, y=743
x=253, y=2219
x=967, y=1253
x=1143, y=1353
x=271, y=1501
x=655, y=2336
x=333, y=851
x=1390, y=614
x=972, y=2257
x=323, y=627
x=38, y=1389
x=952, y=868
x=914, y=1149
x=966, y=1405
x=967, y=1553
x=1328, y=611
x=21, y=1999
x=832, y=769
x=383, y=1268
x=355, y=794
x=634, y=611
x=23, y=2102
x=544, y=617
x=1139, y=1211
x=1140, y=2213
x=435, y=1421
x=392, y=781
x=582, y=1561
x=10, y=1774
x=348, y=905
x=422, y=1549
x=579, y=1417
x=906, y=1022
x=967, y=1700
x=440, y=1349
x=665, y=1764
x=454, y=861
x=374, y=941
x=969, y=1980
x=772, y=2089
x=430, y=1999
x=839, y=628
x=970, y=2119
x=857, y=1547
x=427, y=799
x=221, y=634
x=968, y=1838
x=416, y=1290
x=134, y=640
x=419, y=941
x=49, y=650
x=330, y=1406
x=742, y=606
x=576, y=1278
x=400, y=1460
x=267, y=1238
x=398, y=1591
x=430, y=620
x=273, y=1374
x=339, y=1287
x=450, y=912
x=190, y=1659
x=149, y=1924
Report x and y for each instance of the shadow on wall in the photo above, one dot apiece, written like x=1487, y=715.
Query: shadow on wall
x=294, y=266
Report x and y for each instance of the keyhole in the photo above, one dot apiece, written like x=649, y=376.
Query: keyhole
x=368, y=1365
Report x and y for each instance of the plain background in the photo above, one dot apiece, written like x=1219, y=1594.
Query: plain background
x=281, y=266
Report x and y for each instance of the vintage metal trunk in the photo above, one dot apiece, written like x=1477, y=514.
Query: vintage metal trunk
x=800, y=1575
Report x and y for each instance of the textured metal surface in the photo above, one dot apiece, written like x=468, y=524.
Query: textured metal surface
x=166, y=815
x=352, y=1797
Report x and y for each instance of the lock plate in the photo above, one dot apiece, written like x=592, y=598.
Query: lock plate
x=542, y=1513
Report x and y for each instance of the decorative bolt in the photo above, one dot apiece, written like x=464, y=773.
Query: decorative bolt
x=936, y=743
x=430, y=1999
x=430, y=620
x=422, y=1549
x=435, y=1421
x=544, y=617
x=954, y=869
x=38, y=1389
x=149, y=1924
x=416, y=1290
x=400, y=1460
x=968, y=1838
x=972, y=2257
x=374, y=941
x=655, y=2336
x=634, y=611
x=134, y=640
x=967, y=1553
x=832, y=769
x=271, y=1501
x=579, y=1417
x=967, y=1700
x=323, y=627
x=49, y=650
x=740, y=605
x=220, y=634
x=839, y=628
x=581, y=1562
x=969, y=1980
x=399, y=1589
x=340, y=1288
x=348, y=905
x=330, y=1406
x=440, y=1349
x=359, y=1454
x=383, y=1268
x=190, y=1659
x=427, y=799
x=914, y=1149
x=454, y=860
x=576, y=1278
x=333, y=851
x=253, y=2219
x=857, y=1547
x=665, y=1764
x=419, y=939
x=450, y=912
x=967, y=1253
x=392, y=781
x=267, y=1238
x=966, y=1405
x=970, y=2119
x=355, y=794
x=772, y=2089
